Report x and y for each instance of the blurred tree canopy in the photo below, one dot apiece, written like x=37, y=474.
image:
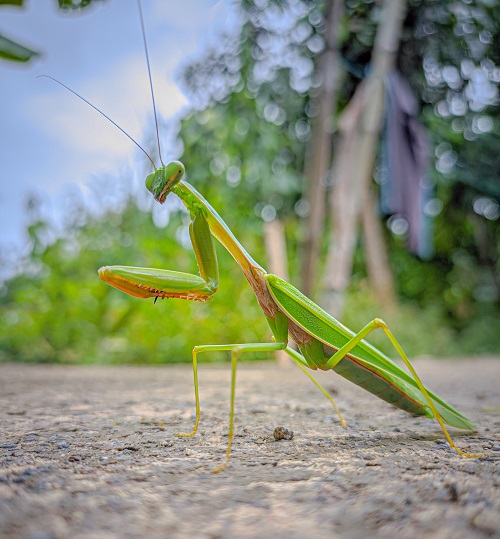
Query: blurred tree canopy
x=245, y=145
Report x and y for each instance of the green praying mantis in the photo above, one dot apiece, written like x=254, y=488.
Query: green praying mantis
x=323, y=342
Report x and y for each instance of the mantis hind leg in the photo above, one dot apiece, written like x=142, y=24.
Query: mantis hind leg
x=236, y=350
x=302, y=364
x=378, y=323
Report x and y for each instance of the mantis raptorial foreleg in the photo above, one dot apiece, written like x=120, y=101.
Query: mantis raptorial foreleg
x=236, y=350
x=160, y=283
x=378, y=323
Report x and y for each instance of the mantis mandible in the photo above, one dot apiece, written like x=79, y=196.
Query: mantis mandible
x=323, y=342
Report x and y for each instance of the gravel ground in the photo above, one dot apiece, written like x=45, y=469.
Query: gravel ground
x=92, y=452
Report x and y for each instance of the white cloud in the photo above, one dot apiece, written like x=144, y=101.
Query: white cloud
x=123, y=94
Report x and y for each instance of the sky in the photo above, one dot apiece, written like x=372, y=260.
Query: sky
x=50, y=141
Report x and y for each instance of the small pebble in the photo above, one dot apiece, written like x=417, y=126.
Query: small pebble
x=282, y=433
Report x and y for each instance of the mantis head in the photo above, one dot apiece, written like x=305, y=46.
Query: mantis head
x=162, y=181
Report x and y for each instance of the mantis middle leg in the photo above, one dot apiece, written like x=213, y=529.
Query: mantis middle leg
x=303, y=366
x=236, y=350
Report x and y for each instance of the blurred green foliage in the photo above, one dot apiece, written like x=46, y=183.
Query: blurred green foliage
x=244, y=149
x=59, y=311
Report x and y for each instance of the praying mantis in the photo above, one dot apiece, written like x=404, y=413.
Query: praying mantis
x=323, y=343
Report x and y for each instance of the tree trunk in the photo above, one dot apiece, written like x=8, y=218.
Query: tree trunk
x=362, y=124
x=320, y=148
x=377, y=261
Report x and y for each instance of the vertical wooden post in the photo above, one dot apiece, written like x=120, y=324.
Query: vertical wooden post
x=275, y=245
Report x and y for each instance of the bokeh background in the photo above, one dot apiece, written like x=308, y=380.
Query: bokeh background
x=301, y=122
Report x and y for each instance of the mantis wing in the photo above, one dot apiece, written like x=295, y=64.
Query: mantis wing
x=364, y=365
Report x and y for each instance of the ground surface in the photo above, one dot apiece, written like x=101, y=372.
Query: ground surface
x=92, y=452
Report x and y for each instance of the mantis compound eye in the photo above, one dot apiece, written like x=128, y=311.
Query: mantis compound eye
x=162, y=181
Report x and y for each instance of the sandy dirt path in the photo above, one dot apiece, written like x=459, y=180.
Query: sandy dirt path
x=92, y=452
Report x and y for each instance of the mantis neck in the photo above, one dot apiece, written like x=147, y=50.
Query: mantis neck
x=196, y=203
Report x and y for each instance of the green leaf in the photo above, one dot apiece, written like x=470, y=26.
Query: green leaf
x=10, y=50
x=74, y=4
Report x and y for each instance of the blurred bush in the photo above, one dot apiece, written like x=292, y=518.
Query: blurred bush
x=57, y=309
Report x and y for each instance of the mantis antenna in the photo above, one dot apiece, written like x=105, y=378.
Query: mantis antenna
x=102, y=113
x=150, y=78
